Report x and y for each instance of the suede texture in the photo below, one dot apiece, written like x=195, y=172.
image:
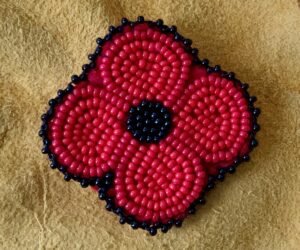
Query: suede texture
x=44, y=42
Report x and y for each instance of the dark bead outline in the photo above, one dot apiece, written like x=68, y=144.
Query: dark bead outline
x=105, y=182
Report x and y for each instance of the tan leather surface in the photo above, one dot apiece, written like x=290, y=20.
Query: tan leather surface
x=42, y=43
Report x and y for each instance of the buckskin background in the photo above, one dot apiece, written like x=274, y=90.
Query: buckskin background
x=42, y=43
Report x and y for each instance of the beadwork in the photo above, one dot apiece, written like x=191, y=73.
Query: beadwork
x=149, y=125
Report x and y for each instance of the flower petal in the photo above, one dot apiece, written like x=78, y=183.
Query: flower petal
x=145, y=63
x=215, y=114
x=87, y=131
x=158, y=182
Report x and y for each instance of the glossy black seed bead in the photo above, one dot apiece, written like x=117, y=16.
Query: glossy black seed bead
x=254, y=143
x=256, y=127
x=42, y=133
x=98, y=182
x=220, y=177
x=201, y=201
x=92, y=57
x=231, y=169
x=84, y=183
x=217, y=68
x=205, y=62
x=144, y=225
x=159, y=22
x=92, y=65
x=75, y=78
x=195, y=51
x=124, y=20
x=100, y=41
x=152, y=231
x=122, y=220
x=52, y=102
x=60, y=93
x=222, y=171
x=44, y=117
x=210, y=185
x=245, y=86
x=134, y=225
x=44, y=126
x=69, y=88
x=252, y=99
x=178, y=223
x=109, y=206
x=46, y=142
x=171, y=222
x=83, y=77
x=101, y=195
x=256, y=112
x=119, y=210
x=98, y=51
x=187, y=42
x=246, y=158
x=192, y=210
x=173, y=29
x=165, y=29
x=164, y=228
x=54, y=164
x=211, y=178
x=210, y=69
x=140, y=19
x=62, y=169
x=67, y=177
x=85, y=67
x=231, y=75
x=109, y=176
x=119, y=29
x=45, y=150
x=112, y=29
x=177, y=36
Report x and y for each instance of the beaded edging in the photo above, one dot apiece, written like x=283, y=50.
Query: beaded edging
x=105, y=182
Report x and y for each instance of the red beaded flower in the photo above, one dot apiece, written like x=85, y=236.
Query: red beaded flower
x=147, y=123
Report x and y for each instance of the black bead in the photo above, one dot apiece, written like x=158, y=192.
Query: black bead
x=134, y=225
x=246, y=158
x=159, y=22
x=210, y=185
x=83, y=77
x=44, y=126
x=173, y=29
x=164, y=228
x=54, y=164
x=67, y=177
x=52, y=102
x=140, y=19
x=252, y=99
x=205, y=62
x=192, y=210
x=46, y=142
x=41, y=133
x=171, y=223
x=62, y=169
x=152, y=231
x=109, y=206
x=92, y=57
x=101, y=195
x=165, y=29
x=256, y=112
x=195, y=51
x=85, y=67
x=201, y=201
x=44, y=117
x=177, y=36
x=98, y=182
x=245, y=86
x=124, y=20
x=98, y=51
x=100, y=41
x=254, y=143
x=178, y=223
x=84, y=183
x=217, y=68
x=256, y=127
x=92, y=65
x=69, y=88
x=211, y=178
x=187, y=42
x=231, y=75
x=222, y=171
x=232, y=169
x=210, y=70
x=112, y=29
x=60, y=93
x=75, y=78
x=220, y=177
x=45, y=150
x=109, y=176
x=144, y=225
x=122, y=220
x=119, y=210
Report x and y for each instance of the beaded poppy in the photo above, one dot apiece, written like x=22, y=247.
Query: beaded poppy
x=149, y=125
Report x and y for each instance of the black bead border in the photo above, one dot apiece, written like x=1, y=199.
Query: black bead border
x=104, y=183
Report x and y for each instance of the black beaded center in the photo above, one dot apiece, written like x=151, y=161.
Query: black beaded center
x=149, y=121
